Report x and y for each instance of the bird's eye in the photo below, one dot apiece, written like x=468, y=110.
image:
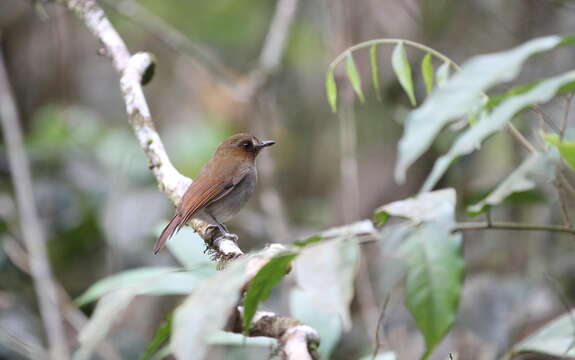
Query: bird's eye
x=247, y=145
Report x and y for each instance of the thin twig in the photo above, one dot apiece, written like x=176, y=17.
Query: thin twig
x=568, y=100
x=379, y=327
x=560, y=187
x=276, y=38
x=30, y=225
x=512, y=226
x=544, y=119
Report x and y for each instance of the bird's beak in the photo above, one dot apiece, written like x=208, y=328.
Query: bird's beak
x=265, y=144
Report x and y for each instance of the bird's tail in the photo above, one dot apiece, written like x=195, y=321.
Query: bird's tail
x=167, y=233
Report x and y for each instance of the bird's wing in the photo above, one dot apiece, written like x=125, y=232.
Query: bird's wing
x=201, y=192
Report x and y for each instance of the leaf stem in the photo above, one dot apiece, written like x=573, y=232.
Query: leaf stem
x=511, y=226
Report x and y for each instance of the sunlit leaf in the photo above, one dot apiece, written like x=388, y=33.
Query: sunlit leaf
x=436, y=205
x=354, y=77
x=566, y=148
x=161, y=336
x=402, y=70
x=122, y=280
x=206, y=311
x=331, y=90
x=434, y=274
x=459, y=95
x=427, y=71
x=375, y=71
x=325, y=271
x=328, y=326
x=263, y=283
x=557, y=338
x=107, y=313
x=522, y=179
x=489, y=124
x=113, y=304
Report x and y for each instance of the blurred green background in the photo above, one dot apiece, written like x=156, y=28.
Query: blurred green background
x=101, y=208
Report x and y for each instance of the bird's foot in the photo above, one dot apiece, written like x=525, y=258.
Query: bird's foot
x=230, y=236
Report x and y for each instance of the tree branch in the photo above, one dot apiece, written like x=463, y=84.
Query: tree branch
x=296, y=341
x=132, y=70
x=30, y=227
x=512, y=226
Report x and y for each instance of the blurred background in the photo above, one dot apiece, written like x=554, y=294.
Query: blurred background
x=101, y=209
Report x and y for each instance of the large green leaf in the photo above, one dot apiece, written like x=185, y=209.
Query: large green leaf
x=113, y=303
x=557, y=338
x=434, y=279
x=328, y=326
x=206, y=311
x=491, y=123
x=566, y=148
x=521, y=179
x=436, y=205
x=434, y=273
x=460, y=94
x=402, y=70
x=263, y=283
x=109, y=310
x=325, y=271
x=121, y=280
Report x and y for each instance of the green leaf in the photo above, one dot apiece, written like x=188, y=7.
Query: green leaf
x=328, y=326
x=162, y=334
x=442, y=74
x=263, y=283
x=206, y=311
x=403, y=71
x=432, y=206
x=557, y=338
x=308, y=241
x=354, y=77
x=122, y=280
x=331, y=90
x=566, y=148
x=375, y=71
x=114, y=303
x=109, y=310
x=434, y=279
x=427, y=71
x=325, y=271
x=495, y=121
x=434, y=274
x=519, y=180
x=459, y=95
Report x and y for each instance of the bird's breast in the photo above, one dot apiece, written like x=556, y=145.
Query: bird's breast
x=228, y=206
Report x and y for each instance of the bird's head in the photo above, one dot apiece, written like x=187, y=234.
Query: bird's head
x=243, y=145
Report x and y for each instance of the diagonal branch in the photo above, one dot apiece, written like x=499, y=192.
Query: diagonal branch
x=30, y=227
x=132, y=70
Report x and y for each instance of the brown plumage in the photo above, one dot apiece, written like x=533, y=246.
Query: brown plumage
x=222, y=187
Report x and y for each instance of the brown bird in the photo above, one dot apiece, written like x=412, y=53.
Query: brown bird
x=222, y=187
